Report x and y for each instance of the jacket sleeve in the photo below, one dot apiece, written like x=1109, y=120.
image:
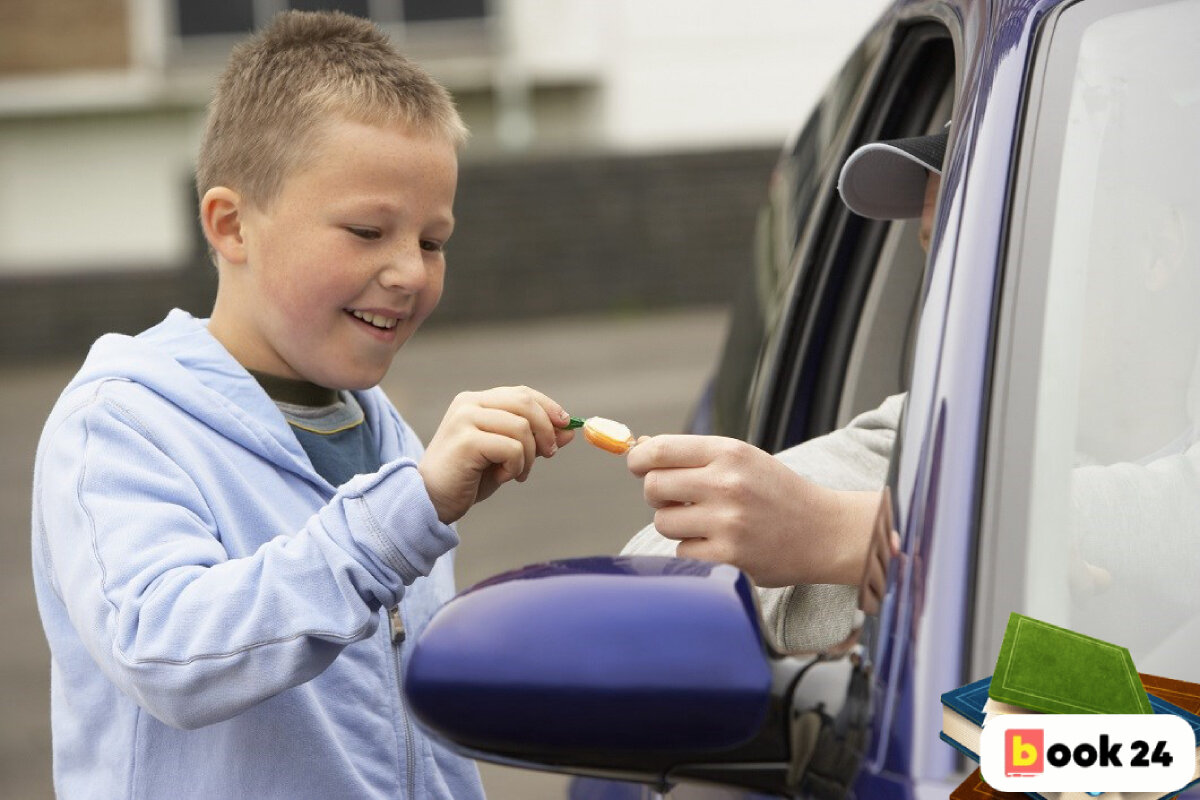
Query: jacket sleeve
x=191, y=634
x=810, y=617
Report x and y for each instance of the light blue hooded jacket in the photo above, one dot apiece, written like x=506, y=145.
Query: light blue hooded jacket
x=216, y=611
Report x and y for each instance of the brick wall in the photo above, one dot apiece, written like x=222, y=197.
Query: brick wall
x=599, y=234
x=537, y=236
x=37, y=36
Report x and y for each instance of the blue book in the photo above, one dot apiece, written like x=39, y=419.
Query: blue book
x=962, y=723
x=962, y=716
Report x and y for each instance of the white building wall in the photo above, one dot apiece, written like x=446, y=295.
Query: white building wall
x=688, y=73
x=107, y=190
x=685, y=73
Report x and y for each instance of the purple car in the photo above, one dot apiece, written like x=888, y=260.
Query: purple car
x=1046, y=461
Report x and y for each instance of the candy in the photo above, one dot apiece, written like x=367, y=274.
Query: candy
x=608, y=435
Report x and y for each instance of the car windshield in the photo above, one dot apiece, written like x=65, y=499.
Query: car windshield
x=1113, y=548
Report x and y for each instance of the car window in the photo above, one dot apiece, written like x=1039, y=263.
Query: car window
x=792, y=201
x=880, y=358
x=1094, y=515
x=851, y=328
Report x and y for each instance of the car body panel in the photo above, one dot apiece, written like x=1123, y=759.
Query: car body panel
x=659, y=657
x=943, y=433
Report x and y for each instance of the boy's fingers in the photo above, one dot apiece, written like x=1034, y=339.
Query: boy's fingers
x=554, y=411
x=555, y=418
x=504, y=452
x=544, y=415
x=513, y=427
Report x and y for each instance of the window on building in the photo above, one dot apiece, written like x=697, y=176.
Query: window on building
x=197, y=18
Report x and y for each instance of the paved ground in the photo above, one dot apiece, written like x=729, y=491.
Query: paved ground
x=643, y=371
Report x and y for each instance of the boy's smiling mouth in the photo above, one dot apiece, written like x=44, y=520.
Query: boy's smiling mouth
x=379, y=321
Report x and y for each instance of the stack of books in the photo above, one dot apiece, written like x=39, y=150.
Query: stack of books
x=1046, y=669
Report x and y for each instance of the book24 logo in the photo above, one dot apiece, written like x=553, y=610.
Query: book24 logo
x=1087, y=752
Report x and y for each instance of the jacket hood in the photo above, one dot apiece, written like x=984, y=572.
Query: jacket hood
x=181, y=361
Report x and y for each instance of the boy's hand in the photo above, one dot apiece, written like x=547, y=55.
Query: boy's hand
x=486, y=439
x=728, y=501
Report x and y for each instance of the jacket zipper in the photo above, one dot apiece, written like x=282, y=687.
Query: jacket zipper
x=396, y=626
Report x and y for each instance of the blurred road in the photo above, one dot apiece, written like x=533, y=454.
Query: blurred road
x=644, y=371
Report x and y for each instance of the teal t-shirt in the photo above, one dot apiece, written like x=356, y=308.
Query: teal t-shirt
x=330, y=426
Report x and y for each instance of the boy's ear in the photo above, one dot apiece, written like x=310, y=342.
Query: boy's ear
x=221, y=218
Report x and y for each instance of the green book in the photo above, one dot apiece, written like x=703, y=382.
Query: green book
x=1056, y=671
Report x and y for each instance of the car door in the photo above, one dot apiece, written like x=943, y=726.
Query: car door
x=1091, y=511
x=1045, y=461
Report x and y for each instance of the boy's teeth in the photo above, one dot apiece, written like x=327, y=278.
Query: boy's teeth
x=378, y=320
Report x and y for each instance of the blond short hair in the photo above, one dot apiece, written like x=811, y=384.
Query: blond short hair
x=302, y=69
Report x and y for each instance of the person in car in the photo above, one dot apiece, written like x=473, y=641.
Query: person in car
x=799, y=522
x=721, y=499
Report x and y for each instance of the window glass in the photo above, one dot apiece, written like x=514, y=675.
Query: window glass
x=207, y=17
x=204, y=17
x=358, y=8
x=792, y=201
x=428, y=10
x=851, y=339
x=1113, y=546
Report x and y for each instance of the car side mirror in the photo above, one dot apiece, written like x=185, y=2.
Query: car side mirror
x=647, y=669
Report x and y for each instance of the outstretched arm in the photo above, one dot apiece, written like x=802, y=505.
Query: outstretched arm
x=724, y=500
x=808, y=616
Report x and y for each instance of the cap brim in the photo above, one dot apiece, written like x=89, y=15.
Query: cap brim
x=886, y=180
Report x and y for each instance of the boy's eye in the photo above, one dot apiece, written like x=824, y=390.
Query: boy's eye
x=432, y=246
x=370, y=234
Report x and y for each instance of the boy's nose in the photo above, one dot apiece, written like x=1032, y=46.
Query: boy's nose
x=405, y=269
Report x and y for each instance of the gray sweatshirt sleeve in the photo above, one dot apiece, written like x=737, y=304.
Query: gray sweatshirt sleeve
x=854, y=458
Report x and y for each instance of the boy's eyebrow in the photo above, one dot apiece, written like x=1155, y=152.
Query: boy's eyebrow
x=373, y=204
x=389, y=207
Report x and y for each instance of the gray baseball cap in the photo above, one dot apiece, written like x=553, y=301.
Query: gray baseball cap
x=886, y=180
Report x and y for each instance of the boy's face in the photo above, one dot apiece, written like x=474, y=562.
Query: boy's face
x=347, y=260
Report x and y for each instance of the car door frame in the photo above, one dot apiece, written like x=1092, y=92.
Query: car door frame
x=941, y=452
x=836, y=258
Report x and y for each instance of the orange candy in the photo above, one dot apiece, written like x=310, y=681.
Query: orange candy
x=608, y=435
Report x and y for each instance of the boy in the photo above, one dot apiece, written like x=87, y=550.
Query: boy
x=233, y=529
